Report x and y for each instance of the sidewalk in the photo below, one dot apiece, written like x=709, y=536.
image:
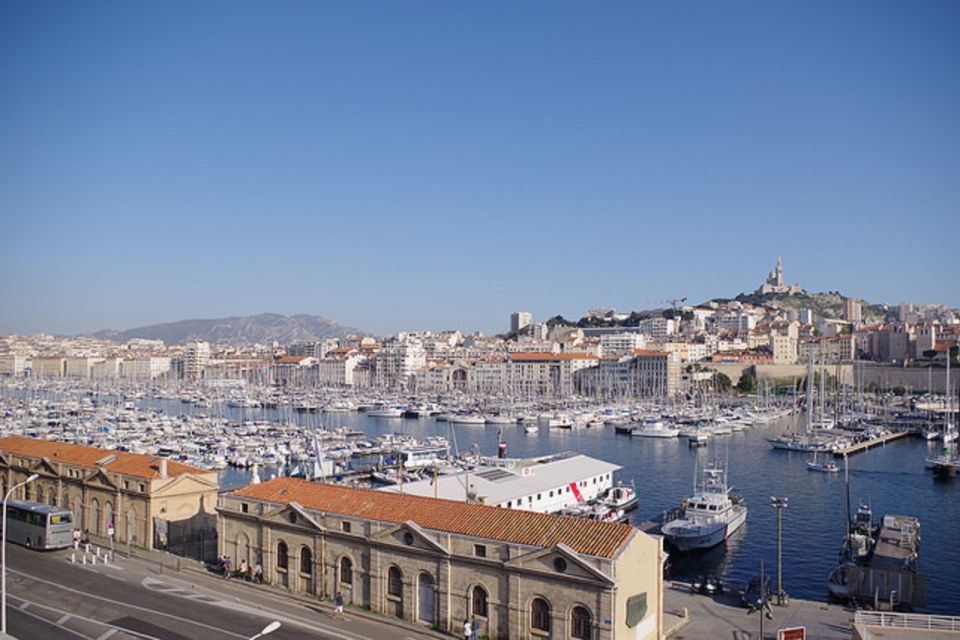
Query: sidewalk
x=158, y=565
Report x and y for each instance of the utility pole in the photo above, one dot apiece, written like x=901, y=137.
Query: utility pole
x=779, y=504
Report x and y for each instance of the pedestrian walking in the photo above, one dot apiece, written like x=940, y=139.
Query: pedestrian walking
x=474, y=628
x=258, y=573
x=467, y=630
x=226, y=566
x=338, y=609
x=242, y=569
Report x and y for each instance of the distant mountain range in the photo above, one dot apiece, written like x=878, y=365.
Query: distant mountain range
x=263, y=329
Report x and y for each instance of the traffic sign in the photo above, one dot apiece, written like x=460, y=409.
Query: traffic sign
x=793, y=633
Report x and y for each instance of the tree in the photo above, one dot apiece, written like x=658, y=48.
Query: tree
x=747, y=383
x=559, y=321
x=723, y=382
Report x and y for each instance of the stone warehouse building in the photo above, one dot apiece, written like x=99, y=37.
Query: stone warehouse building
x=439, y=562
x=134, y=492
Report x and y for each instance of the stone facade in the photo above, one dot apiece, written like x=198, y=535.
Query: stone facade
x=440, y=578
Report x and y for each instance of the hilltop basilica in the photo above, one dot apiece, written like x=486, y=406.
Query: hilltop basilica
x=774, y=283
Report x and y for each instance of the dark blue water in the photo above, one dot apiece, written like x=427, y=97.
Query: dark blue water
x=891, y=478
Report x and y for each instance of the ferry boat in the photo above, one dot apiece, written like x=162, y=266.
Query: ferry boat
x=710, y=515
x=654, y=429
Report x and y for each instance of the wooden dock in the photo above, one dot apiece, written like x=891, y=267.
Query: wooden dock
x=867, y=444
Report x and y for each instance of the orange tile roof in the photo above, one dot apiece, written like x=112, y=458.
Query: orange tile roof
x=130, y=464
x=588, y=537
x=533, y=355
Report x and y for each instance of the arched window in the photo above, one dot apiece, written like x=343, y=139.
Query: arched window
x=346, y=570
x=306, y=561
x=395, y=582
x=580, y=623
x=282, y=560
x=540, y=615
x=479, y=602
x=108, y=515
x=243, y=548
x=39, y=494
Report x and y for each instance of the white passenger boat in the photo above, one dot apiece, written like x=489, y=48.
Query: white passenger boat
x=654, y=429
x=710, y=515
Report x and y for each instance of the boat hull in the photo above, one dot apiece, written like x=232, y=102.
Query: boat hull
x=705, y=536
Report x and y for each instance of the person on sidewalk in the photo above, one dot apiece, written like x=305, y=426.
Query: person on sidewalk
x=258, y=573
x=474, y=628
x=338, y=610
x=467, y=630
x=242, y=569
x=226, y=566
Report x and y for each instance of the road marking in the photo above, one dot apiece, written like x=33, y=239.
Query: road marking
x=24, y=606
x=107, y=634
x=120, y=603
x=65, y=617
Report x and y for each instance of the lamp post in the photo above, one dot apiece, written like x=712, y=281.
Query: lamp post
x=270, y=628
x=3, y=555
x=779, y=504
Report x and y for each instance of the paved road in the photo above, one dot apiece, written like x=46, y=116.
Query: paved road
x=49, y=597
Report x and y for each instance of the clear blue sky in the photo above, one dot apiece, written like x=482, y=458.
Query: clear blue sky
x=404, y=165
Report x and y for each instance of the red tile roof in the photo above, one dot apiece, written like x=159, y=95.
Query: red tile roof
x=588, y=537
x=131, y=464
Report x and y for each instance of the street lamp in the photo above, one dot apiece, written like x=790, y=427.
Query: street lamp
x=270, y=628
x=779, y=504
x=3, y=556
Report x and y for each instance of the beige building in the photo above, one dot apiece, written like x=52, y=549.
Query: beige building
x=137, y=493
x=523, y=575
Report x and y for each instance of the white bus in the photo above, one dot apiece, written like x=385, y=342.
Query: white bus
x=36, y=525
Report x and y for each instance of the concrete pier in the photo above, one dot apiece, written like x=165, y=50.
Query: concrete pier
x=867, y=444
x=692, y=616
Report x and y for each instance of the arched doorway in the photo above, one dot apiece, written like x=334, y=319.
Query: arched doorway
x=427, y=608
x=306, y=570
x=243, y=549
x=283, y=563
x=95, y=516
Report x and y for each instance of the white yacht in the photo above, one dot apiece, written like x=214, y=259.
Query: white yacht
x=654, y=429
x=710, y=515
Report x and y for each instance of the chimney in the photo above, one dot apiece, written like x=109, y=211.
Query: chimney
x=163, y=467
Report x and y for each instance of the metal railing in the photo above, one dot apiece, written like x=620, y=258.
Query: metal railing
x=907, y=621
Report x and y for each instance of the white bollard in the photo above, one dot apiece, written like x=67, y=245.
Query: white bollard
x=93, y=559
x=73, y=557
x=84, y=558
x=87, y=548
x=98, y=551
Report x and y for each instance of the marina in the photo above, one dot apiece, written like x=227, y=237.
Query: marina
x=891, y=477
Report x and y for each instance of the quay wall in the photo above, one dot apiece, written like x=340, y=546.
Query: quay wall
x=873, y=375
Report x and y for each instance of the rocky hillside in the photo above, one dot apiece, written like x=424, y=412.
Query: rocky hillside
x=263, y=329
x=824, y=305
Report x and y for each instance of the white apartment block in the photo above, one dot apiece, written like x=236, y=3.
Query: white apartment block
x=520, y=320
x=545, y=374
x=734, y=321
x=195, y=359
x=107, y=369
x=81, y=367
x=12, y=364
x=619, y=343
x=145, y=368
x=396, y=362
x=658, y=328
x=783, y=348
x=338, y=371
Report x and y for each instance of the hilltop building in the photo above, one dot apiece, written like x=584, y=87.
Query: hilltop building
x=774, y=283
x=438, y=562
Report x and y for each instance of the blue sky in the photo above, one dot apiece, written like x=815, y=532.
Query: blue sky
x=430, y=165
